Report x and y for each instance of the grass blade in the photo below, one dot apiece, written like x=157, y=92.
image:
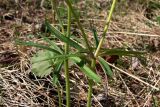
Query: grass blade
x=106, y=68
x=56, y=74
x=86, y=70
x=19, y=42
x=63, y=38
x=95, y=36
x=120, y=52
x=60, y=57
x=90, y=73
x=52, y=44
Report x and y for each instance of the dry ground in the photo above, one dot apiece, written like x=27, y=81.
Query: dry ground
x=134, y=27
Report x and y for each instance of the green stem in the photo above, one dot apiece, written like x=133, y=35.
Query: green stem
x=67, y=83
x=97, y=51
x=53, y=3
x=59, y=95
x=66, y=61
x=79, y=25
x=106, y=28
x=90, y=83
x=54, y=6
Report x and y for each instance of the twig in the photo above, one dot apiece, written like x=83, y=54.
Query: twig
x=149, y=94
x=128, y=89
x=136, y=34
x=134, y=77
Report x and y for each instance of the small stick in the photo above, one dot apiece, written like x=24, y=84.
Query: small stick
x=137, y=34
x=138, y=79
x=147, y=97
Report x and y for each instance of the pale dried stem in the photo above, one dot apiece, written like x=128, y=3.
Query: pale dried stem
x=133, y=76
x=128, y=89
x=147, y=97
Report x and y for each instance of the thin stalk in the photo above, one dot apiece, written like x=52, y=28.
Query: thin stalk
x=79, y=25
x=106, y=28
x=53, y=3
x=90, y=90
x=54, y=6
x=97, y=51
x=90, y=83
x=59, y=95
x=66, y=64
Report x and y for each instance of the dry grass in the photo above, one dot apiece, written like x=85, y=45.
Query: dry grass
x=129, y=29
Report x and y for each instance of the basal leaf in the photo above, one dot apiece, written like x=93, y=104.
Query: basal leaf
x=106, y=68
x=42, y=68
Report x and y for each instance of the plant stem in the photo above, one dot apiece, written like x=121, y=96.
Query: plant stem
x=67, y=83
x=106, y=28
x=54, y=6
x=90, y=83
x=97, y=51
x=59, y=95
x=66, y=61
x=53, y=3
x=80, y=26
